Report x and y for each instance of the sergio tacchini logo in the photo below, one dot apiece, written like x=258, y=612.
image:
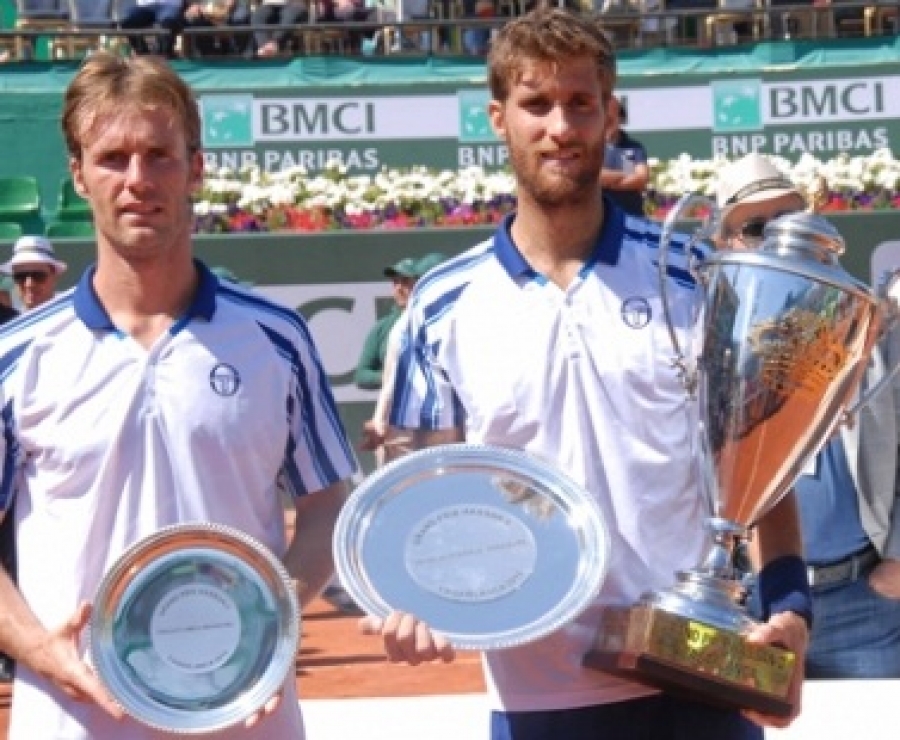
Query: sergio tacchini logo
x=636, y=312
x=224, y=379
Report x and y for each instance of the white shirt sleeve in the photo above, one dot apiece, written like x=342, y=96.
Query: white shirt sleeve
x=389, y=372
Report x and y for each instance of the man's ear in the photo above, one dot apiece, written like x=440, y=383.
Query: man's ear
x=77, y=179
x=497, y=117
x=198, y=167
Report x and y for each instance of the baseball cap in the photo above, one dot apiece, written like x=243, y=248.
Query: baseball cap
x=404, y=268
x=29, y=250
x=752, y=179
x=428, y=262
x=227, y=276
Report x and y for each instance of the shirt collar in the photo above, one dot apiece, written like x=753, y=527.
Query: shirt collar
x=89, y=309
x=606, y=249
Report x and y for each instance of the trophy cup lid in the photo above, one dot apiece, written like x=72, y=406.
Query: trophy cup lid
x=803, y=244
x=804, y=234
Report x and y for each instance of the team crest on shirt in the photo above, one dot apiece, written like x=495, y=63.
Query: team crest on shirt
x=224, y=379
x=636, y=312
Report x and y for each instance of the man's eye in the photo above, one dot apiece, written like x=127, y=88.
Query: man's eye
x=111, y=159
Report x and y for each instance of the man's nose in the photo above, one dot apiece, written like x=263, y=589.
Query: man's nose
x=137, y=168
x=560, y=124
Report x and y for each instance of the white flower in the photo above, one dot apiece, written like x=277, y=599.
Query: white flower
x=419, y=189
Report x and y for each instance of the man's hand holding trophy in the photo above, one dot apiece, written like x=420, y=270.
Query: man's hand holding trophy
x=782, y=339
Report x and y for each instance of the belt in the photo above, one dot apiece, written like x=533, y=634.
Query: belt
x=843, y=571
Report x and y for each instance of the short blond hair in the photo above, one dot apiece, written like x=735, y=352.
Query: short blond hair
x=107, y=83
x=548, y=35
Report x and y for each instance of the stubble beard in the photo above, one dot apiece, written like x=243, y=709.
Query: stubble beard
x=555, y=191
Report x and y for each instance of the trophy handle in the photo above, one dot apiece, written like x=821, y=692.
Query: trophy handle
x=686, y=374
x=889, y=315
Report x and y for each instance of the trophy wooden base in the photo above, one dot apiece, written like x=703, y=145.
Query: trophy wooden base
x=691, y=658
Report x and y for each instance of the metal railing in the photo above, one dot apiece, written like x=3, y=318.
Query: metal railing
x=688, y=27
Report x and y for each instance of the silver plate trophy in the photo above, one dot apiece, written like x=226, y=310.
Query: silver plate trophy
x=783, y=339
x=490, y=546
x=195, y=628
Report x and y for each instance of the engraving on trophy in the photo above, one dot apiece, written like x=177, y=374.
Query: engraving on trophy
x=800, y=353
x=470, y=553
x=195, y=628
x=684, y=654
x=491, y=546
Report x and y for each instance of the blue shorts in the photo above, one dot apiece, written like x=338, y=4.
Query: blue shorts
x=660, y=717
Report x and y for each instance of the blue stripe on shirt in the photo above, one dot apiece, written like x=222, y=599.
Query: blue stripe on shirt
x=307, y=423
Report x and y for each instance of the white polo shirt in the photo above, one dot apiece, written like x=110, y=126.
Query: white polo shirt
x=583, y=377
x=104, y=442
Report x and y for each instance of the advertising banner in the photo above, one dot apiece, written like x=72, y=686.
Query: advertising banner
x=310, y=112
x=730, y=117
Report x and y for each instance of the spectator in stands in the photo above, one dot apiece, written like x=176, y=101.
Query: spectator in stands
x=287, y=14
x=225, y=14
x=848, y=21
x=405, y=11
x=847, y=494
x=35, y=270
x=691, y=26
x=625, y=172
x=476, y=41
x=355, y=11
x=145, y=14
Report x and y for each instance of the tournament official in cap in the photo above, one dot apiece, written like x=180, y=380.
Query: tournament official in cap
x=35, y=270
x=370, y=367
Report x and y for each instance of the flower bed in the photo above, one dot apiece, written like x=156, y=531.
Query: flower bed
x=292, y=200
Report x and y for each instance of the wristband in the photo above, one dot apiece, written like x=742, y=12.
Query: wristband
x=784, y=587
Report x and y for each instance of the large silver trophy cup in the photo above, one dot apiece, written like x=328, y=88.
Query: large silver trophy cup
x=782, y=340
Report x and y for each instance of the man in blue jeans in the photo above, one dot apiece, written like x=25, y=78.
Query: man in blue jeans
x=145, y=14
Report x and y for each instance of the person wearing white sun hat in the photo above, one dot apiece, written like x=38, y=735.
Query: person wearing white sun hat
x=751, y=192
x=35, y=270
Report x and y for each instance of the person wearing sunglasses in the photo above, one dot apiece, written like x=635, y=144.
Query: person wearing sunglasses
x=35, y=270
x=847, y=493
x=751, y=192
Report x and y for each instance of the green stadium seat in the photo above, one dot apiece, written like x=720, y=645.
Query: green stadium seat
x=9, y=231
x=19, y=198
x=70, y=230
x=71, y=206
